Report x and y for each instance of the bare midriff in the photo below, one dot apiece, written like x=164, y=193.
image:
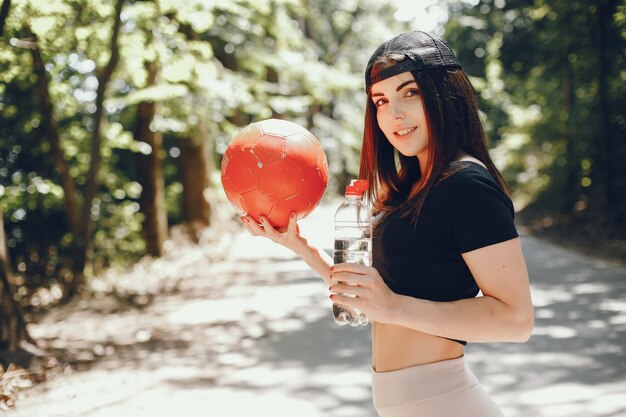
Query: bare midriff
x=395, y=347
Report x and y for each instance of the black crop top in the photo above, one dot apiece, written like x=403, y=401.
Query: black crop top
x=465, y=211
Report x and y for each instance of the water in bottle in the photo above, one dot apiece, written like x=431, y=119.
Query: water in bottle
x=353, y=243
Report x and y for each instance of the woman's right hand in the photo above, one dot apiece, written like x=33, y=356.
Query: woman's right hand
x=289, y=237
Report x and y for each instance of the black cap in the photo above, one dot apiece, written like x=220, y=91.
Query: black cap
x=422, y=51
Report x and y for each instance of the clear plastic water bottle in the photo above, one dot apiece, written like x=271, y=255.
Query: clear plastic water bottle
x=353, y=243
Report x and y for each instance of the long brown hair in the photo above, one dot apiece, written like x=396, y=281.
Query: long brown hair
x=454, y=126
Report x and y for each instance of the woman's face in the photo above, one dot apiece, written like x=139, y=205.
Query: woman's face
x=401, y=116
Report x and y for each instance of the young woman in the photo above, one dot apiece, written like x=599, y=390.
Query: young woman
x=443, y=232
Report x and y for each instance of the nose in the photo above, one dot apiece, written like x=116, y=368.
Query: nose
x=397, y=112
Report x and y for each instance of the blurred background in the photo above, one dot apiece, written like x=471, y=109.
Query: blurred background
x=114, y=117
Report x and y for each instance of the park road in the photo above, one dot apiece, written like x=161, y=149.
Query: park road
x=253, y=335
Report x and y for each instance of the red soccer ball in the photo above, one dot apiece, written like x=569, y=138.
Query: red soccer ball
x=274, y=167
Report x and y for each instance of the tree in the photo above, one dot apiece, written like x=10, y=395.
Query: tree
x=196, y=156
x=180, y=80
x=12, y=326
x=150, y=173
x=80, y=218
x=4, y=11
x=149, y=167
x=558, y=66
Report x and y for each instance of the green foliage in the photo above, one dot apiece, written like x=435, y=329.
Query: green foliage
x=542, y=79
x=219, y=66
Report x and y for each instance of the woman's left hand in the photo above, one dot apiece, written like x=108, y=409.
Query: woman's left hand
x=373, y=297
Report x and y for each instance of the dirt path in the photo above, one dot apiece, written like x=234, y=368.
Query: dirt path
x=251, y=334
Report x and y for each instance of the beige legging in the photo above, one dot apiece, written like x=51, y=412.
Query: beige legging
x=441, y=389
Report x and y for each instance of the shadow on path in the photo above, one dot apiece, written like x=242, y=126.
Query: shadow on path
x=254, y=335
x=575, y=364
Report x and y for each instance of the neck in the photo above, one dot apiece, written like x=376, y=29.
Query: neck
x=463, y=156
x=423, y=160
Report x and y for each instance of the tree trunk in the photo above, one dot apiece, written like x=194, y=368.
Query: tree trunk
x=80, y=221
x=51, y=132
x=196, y=156
x=572, y=165
x=606, y=137
x=310, y=119
x=194, y=172
x=151, y=173
x=271, y=76
x=12, y=326
x=84, y=240
x=4, y=12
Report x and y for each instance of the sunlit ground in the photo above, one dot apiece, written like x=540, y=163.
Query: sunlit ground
x=253, y=335
x=574, y=365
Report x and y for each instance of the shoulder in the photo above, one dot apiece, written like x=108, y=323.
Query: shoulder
x=478, y=211
x=469, y=187
x=467, y=177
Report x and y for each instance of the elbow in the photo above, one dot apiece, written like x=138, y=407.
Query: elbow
x=523, y=325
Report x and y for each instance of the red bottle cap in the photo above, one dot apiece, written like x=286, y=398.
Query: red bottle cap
x=353, y=190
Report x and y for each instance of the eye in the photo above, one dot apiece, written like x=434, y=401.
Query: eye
x=380, y=102
x=412, y=92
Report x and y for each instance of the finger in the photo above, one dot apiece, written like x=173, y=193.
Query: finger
x=351, y=267
x=345, y=300
x=347, y=289
x=249, y=228
x=267, y=226
x=292, y=227
x=348, y=278
x=245, y=224
x=253, y=226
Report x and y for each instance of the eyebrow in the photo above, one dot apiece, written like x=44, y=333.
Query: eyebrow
x=398, y=88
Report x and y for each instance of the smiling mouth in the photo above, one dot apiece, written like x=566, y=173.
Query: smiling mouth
x=405, y=132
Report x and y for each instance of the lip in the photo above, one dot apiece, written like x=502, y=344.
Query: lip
x=395, y=132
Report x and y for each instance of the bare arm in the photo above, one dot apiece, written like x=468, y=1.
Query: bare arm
x=318, y=260
x=503, y=313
